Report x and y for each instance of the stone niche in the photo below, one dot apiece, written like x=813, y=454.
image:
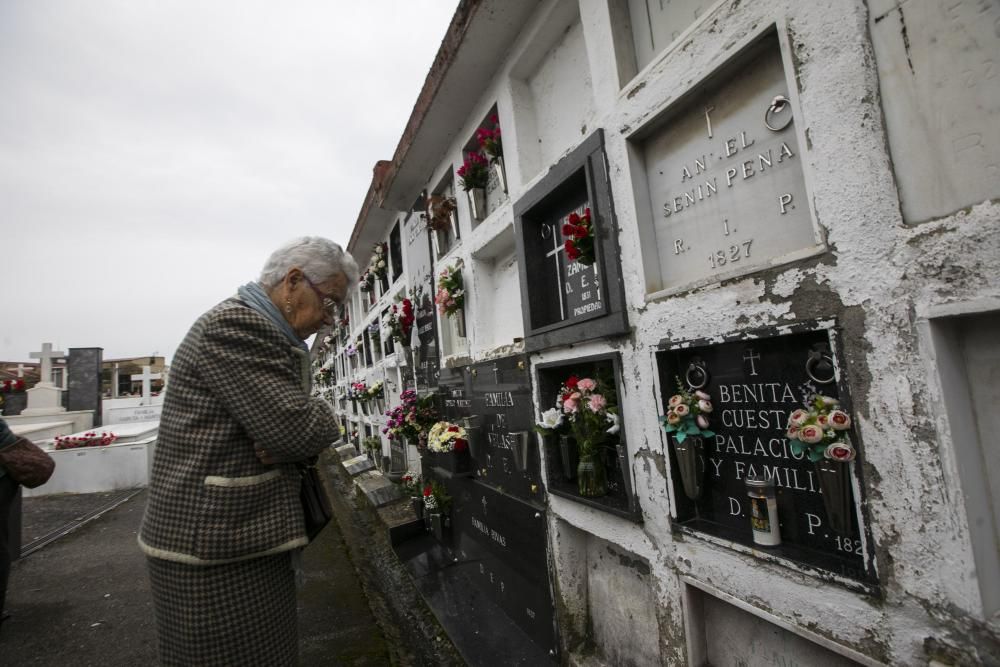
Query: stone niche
x=760, y=639
x=718, y=178
x=756, y=381
x=567, y=301
x=561, y=456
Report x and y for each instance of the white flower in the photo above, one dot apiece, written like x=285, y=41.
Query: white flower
x=702, y=395
x=705, y=406
x=551, y=419
x=839, y=420
x=681, y=410
x=840, y=451
x=613, y=420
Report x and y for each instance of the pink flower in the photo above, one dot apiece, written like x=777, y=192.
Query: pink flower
x=570, y=405
x=811, y=434
x=597, y=402
x=673, y=418
x=586, y=384
x=702, y=421
x=682, y=410
x=840, y=451
x=793, y=432
x=798, y=418
x=821, y=420
x=705, y=406
x=702, y=395
x=839, y=420
x=675, y=400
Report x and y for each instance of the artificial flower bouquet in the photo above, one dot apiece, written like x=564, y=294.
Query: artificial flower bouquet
x=578, y=231
x=375, y=391
x=447, y=437
x=821, y=430
x=436, y=498
x=687, y=414
x=378, y=265
x=439, y=210
x=374, y=332
x=367, y=281
x=474, y=172
x=399, y=321
x=11, y=386
x=450, y=297
x=490, y=140
x=412, y=418
x=88, y=439
x=411, y=483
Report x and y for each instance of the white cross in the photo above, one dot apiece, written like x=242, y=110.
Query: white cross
x=146, y=376
x=557, y=247
x=19, y=368
x=46, y=356
x=751, y=356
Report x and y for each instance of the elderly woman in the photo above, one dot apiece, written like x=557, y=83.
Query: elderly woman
x=224, y=524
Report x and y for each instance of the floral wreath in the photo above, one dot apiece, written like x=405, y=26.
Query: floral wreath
x=88, y=439
x=446, y=437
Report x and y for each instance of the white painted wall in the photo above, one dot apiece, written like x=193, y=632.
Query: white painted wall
x=98, y=469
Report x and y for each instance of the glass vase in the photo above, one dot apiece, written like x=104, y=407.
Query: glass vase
x=591, y=478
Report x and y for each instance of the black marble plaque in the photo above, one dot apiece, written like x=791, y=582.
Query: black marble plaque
x=84, y=386
x=396, y=252
x=496, y=398
x=755, y=384
x=504, y=540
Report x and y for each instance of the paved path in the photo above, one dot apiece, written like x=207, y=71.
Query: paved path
x=84, y=599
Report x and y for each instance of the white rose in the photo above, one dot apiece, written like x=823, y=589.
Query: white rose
x=705, y=406
x=551, y=419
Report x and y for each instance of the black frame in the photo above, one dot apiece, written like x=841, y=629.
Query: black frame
x=549, y=377
x=582, y=172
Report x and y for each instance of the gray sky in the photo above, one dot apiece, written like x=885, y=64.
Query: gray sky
x=152, y=154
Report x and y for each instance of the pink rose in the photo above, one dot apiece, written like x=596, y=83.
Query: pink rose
x=798, y=418
x=586, y=384
x=682, y=410
x=811, y=434
x=821, y=420
x=702, y=421
x=840, y=451
x=839, y=420
x=673, y=418
x=702, y=395
x=705, y=406
x=597, y=402
x=793, y=432
x=675, y=400
x=570, y=405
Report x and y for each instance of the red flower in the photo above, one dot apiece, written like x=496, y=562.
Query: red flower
x=574, y=218
x=428, y=490
x=453, y=429
x=460, y=445
x=572, y=382
x=568, y=229
x=571, y=252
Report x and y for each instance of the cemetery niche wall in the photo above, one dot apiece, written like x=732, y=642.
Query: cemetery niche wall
x=570, y=207
x=565, y=446
x=755, y=384
x=719, y=177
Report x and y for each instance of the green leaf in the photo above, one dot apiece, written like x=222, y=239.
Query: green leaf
x=814, y=455
x=708, y=434
x=681, y=436
x=692, y=429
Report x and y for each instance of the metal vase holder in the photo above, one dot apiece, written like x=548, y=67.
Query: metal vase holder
x=691, y=464
x=501, y=172
x=441, y=238
x=440, y=525
x=477, y=202
x=835, y=482
x=417, y=502
x=569, y=456
x=519, y=448
x=460, y=322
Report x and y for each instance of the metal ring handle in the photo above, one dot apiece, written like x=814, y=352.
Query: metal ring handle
x=814, y=359
x=698, y=368
x=778, y=104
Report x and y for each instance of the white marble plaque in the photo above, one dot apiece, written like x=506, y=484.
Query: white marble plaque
x=727, y=193
x=939, y=75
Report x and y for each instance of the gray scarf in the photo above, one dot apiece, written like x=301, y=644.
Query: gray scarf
x=253, y=295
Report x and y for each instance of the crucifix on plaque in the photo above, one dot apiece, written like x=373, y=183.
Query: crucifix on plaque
x=549, y=231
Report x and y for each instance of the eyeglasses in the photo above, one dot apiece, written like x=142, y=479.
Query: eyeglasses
x=327, y=303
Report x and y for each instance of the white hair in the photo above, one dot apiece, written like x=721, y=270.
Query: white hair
x=319, y=258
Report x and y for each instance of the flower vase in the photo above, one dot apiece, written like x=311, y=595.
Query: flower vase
x=441, y=238
x=519, y=448
x=835, y=482
x=569, y=456
x=417, y=503
x=380, y=404
x=591, y=478
x=691, y=464
x=460, y=322
x=475, y=442
x=440, y=523
x=501, y=173
x=477, y=202
x=383, y=282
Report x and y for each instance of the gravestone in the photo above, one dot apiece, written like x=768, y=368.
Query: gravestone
x=45, y=398
x=358, y=464
x=726, y=191
x=755, y=384
x=84, y=369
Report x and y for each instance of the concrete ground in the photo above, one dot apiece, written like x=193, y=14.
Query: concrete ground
x=84, y=598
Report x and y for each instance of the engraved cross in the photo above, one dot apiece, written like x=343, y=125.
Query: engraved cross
x=548, y=230
x=751, y=356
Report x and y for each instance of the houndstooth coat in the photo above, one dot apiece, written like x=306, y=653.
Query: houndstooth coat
x=236, y=384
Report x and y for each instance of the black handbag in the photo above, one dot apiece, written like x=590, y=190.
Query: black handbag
x=315, y=504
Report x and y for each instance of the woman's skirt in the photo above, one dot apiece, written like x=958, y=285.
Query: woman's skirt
x=242, y=613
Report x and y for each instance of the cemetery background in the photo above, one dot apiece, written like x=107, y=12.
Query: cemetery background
x=770, y=185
